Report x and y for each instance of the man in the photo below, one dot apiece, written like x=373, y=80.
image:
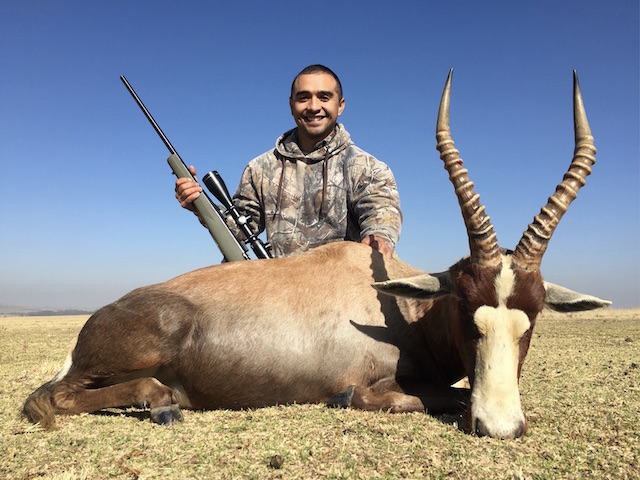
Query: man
x=316, y=186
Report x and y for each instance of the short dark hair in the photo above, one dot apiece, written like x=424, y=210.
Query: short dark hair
x=317, y=68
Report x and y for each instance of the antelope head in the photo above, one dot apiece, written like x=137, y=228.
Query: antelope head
x=500, y=293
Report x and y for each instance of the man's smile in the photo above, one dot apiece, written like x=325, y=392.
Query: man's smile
x=313, y=118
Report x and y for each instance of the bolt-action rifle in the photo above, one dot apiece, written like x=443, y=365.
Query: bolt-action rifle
x=210, y=215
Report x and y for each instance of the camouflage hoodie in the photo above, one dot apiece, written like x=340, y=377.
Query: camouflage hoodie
x=336, y=192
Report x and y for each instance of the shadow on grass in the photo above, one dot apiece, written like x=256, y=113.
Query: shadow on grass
x=453, y=419
x=140, y=414
x=143, y=415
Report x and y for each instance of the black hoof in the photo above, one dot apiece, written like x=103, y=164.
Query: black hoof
x=342, y=399
x=166, y=415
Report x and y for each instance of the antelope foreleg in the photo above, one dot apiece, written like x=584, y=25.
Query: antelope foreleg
x=384, y=395
x=388, y=395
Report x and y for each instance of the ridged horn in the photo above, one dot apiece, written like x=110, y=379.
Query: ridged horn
x=528, y=254
x=483, y=243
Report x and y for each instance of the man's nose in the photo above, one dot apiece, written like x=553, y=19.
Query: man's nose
x=314, y=104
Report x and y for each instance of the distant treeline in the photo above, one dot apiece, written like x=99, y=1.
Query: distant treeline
x=50, y=313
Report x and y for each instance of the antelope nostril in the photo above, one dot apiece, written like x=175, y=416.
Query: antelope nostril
x=480, y=428
x=520, y=430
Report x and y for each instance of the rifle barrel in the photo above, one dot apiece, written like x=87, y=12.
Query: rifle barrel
x=148, y=115
x=208, y=212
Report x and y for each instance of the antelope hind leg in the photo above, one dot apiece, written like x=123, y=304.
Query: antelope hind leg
x=164, y=409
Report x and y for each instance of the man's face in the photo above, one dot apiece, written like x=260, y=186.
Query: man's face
x=315, y=106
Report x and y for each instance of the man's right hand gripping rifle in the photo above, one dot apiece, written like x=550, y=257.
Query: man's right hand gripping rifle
x=187, y=190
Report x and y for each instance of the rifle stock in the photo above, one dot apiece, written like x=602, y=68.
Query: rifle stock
x=232, y=249
x=210, y=216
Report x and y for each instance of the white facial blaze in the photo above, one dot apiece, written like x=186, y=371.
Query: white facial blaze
x=495, y=396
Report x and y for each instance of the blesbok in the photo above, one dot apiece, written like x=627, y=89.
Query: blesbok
x=312, y=328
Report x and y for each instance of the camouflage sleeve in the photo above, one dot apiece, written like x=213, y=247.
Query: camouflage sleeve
x=375, y=199
x=247, y=201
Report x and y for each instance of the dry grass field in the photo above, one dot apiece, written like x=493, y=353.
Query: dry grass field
x=580, y=390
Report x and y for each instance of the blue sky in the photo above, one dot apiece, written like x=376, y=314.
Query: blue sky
x=88, y=211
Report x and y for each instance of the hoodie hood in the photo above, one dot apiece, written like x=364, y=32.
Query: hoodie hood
x=287, y=145
x=289, y=151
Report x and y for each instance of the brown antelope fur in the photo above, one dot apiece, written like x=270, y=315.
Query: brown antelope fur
x=340, y=324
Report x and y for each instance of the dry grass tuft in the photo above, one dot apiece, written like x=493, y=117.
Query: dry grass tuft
x=580, y=390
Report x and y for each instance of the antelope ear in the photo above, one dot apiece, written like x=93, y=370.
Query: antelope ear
x=421, y=286
x=562, y=299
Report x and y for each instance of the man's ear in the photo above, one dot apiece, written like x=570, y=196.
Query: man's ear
x=342, y=105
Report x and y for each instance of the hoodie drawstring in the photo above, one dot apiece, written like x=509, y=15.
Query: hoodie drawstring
x=324, y=182
x=279, y=196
